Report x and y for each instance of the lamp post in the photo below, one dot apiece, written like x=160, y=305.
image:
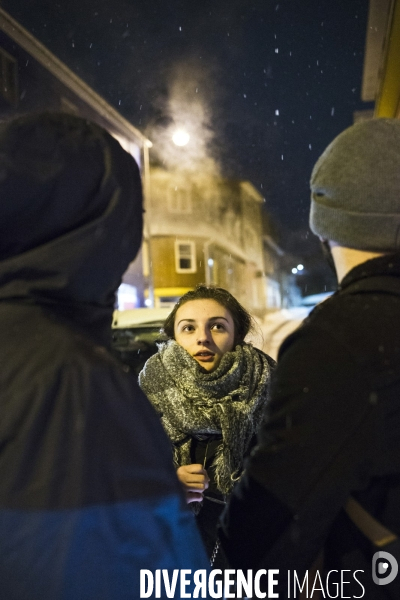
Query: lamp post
x=180, y=138
x=147, y=217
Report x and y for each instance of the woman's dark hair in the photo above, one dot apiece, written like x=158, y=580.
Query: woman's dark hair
x=242, y=320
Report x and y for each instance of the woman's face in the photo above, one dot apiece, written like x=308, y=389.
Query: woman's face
x=205, y=329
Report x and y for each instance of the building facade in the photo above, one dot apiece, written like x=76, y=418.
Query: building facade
x=381, y=72
x=205, y=229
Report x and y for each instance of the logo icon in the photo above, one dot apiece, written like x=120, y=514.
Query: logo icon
x=384, y=568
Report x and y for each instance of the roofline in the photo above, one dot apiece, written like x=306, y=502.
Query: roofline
x=28, y=42
x=248, y=187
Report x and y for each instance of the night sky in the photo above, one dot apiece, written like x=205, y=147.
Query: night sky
x=267, y=84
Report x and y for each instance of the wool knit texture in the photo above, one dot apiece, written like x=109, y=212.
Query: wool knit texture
x=227, y=401
x=355, y=188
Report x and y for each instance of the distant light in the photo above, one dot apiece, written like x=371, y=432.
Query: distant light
x=147, y=302
x=210, y=262
x=180, y=137
x=294, y=270
x=300, y=267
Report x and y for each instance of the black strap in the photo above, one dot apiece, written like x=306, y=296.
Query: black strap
x=377, y=533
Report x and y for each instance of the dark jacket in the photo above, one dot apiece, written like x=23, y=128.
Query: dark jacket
x=203, y=452
x=332, y=429
x=88, y=494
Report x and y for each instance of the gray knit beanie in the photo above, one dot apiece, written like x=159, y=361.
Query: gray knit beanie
x=355, y=188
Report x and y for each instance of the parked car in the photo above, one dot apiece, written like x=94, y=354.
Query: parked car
x=135, y=334
x=277, y=325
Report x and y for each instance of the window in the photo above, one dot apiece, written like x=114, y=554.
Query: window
x=185, y=257
x=8, y=77
x=179, y=200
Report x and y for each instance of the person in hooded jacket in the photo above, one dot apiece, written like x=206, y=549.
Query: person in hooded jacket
x=88, y=494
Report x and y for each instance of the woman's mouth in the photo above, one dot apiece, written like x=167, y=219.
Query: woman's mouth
x=205, y=356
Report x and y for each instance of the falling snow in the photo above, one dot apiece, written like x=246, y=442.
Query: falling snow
x=277, y=113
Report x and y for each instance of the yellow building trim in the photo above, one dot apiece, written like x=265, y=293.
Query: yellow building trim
x=388, y=100
x=170, y=291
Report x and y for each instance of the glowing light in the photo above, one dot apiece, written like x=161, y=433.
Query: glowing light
x=147, y=302
x=300, y=267
x=180, y=137
x=210, y=262
x=294, y=270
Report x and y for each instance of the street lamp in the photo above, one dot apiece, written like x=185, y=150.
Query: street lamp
x=180, y=137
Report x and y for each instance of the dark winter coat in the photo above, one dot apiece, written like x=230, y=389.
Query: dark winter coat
x=332, y=429
x=88, y=494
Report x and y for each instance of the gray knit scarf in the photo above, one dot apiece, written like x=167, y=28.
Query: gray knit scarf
x=227, y=401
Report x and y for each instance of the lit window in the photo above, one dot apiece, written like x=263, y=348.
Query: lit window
x=185, y=257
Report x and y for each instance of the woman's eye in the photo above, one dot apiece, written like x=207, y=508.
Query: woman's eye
x=218, y=326
x=187, y=328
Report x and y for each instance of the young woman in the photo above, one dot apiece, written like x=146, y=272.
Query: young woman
x=210, y=388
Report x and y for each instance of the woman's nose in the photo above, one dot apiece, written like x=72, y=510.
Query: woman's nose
x=203, y=336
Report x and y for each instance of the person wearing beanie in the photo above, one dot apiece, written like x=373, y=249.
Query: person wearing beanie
x=320, y=496
x=88, y=494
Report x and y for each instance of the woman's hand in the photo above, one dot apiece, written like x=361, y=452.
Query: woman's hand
x=194, y=480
